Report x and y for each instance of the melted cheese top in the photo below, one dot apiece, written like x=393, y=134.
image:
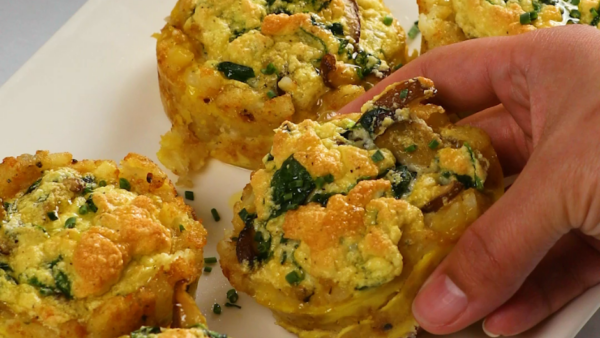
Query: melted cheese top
x=71, y=242
x=344, y=235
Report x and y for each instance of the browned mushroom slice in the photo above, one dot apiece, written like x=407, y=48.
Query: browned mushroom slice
x=409, y=142
x=353, y=20
x=437, y=203
x=327, y=67
x=399, y=95
x=247, y=249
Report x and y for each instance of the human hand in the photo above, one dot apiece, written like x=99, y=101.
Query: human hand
x=538, y=97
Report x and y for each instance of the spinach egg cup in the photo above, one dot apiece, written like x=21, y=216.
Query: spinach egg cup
x=339, y=230
x=88, y=249
x=232, y=71
x=443, y=22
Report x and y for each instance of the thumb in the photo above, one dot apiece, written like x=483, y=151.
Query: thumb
x=496, y=254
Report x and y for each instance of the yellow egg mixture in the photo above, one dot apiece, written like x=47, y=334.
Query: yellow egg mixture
x=198, y=331
x=91, y=250
x=348, y=217
x=231, y=71
x=443, y=22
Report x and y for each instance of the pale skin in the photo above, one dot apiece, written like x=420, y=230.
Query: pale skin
x=538, y=247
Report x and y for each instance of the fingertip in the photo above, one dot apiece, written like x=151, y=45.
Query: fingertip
x=487, y=331
x=439, y=304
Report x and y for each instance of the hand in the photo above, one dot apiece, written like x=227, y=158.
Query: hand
x=538, y=97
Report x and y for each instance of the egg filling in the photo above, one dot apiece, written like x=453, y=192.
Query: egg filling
x=347, y=218
x=91, y=250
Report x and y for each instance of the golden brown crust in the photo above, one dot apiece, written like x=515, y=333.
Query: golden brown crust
x=108, y=258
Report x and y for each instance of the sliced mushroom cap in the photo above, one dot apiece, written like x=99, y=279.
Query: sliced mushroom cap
x=353, y=20
x=437, y=203
x=247, y=249
x=328, y=66
x=409, y=142
x=401, y=94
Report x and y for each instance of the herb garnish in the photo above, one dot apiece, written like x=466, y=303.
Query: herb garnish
x=234, y=71
x=291, y=186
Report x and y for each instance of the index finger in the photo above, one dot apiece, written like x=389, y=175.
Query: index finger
x=465, y=74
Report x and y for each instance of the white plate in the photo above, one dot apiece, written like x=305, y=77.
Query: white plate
x=92, y=91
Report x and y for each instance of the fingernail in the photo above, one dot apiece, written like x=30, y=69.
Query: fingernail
x=488, y=333
x=439, y=302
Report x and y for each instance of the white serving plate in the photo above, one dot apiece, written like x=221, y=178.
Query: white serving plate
x=92, y=90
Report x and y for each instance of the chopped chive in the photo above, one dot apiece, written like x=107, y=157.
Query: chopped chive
x=271, y=69
x=404, y=93
x=575, y=2
x=319, y=181
x=288, y=196
x=181, y=228
x=525, y=18
x=294, y=278
x=83, y=209
x=52, y=215
x=411, y=148
x=70, y=223
x=271, y=94
x=297, y=183
x=414, y=30
x=398, y=66
x=433, y=144
x=90, y=204
x=378, y=156
x=388, y=20
x=283, y=258
x=217, y=309
x=533, y=15
x=575, y=14
x=102, y=183
x=233, y=305
x=87, y=190
x=215, y=214
x=189, y=195
x=210, y=260
x=329, y=178
x=207, y=269
x=124, y=184
x=232, y=296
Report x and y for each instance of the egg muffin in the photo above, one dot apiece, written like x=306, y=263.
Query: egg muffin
x=232, y=71
x=197, y=331
x=88, y=249
x=444, y=22
x=349, y=217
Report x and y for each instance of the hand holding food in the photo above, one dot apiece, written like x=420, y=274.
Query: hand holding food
x=348, y=218
x=536, y=248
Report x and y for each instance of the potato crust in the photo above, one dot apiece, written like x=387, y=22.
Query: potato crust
x=198, y=331
x=338, y=231
x=88, y=249
x=444, y=22
x=232, y=71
